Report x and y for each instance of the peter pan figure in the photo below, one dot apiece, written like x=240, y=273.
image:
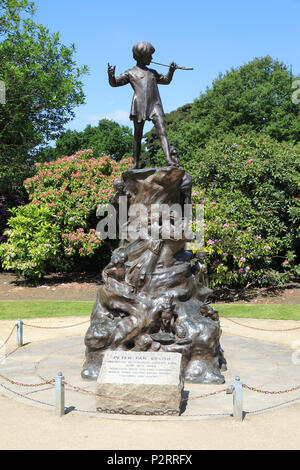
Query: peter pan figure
x=146, y=103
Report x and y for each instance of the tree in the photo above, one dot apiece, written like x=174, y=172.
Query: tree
x=254, y=97
x=43, y=85
x=107, y=137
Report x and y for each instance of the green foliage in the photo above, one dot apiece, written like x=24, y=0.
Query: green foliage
x=33, y=240
x=238, y=142
x=56, y=230
x=254, y=97
x=107, y=137
x=43, y=84
x=249, y=186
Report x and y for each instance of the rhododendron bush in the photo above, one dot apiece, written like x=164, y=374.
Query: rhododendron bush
x=56, y=231
x=249, y=186
x=235, y=255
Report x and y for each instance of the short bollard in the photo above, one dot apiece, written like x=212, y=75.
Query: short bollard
x=60, y=395
x=236, y=389
x=20, y=332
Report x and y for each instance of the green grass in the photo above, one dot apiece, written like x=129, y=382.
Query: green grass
x=271, y=311
x=14, y=309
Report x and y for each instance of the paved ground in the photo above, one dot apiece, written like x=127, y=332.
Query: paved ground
x=261, y=365
x=27, y=427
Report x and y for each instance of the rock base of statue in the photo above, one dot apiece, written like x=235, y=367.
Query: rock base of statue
x=140, y=383
x=151, y=298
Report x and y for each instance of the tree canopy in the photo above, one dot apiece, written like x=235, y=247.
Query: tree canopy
x=43, y=84
x=254, y=97
x=107, y=137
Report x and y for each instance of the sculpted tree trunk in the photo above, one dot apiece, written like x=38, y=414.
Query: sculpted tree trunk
x=151, y=299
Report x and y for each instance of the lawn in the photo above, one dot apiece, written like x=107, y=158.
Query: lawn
x=271, y=311
x=14, y=309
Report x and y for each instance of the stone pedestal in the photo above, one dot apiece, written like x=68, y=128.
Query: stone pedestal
x=145, y=383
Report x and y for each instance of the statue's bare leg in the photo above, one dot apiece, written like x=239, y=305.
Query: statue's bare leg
x=137, y=141
x=159, y=123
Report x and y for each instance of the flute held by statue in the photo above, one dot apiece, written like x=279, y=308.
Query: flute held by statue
x=165, y=65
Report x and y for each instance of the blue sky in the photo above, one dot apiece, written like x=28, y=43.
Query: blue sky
x=211, y=36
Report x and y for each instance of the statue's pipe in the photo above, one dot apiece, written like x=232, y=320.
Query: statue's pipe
x=181, y=68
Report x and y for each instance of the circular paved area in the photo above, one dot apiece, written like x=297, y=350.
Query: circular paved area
x=261, y=365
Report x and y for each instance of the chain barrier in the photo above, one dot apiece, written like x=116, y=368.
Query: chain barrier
x=9, y=336
x=260, y=329
x=26, y=396
x=79, y=389
x=82, y=390
x=55, y=327
x=44, y=327
x=267, y=392
x=206, y=395
x=20, y=384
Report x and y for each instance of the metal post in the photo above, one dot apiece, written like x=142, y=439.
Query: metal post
x=60, y=395
x=236, y=389
x=238, y=399
x=20, y=332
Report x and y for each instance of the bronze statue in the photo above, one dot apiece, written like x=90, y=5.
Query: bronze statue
x=146, y=103
x=200, y=269
x=151, y=298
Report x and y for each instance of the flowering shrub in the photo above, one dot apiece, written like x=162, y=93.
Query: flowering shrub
x=56, y=230
x=249, y=188
x=236, y=256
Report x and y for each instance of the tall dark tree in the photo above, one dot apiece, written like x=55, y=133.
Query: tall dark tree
x=107, y=137
x=254, y=97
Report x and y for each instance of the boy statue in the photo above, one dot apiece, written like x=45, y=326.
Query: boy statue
x=146, y=103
